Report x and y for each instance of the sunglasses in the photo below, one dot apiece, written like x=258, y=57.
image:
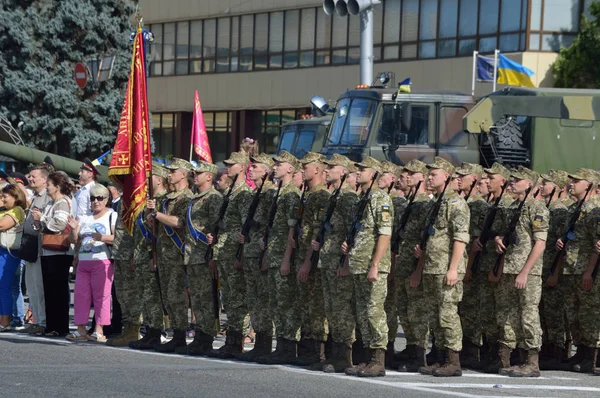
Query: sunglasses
x=97, y=198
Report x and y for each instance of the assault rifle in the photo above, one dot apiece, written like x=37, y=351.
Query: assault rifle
x=250, y=218
x=298, y=226
x=570, y=231
x=551, y=196
x=326, y=225
x=429, y=229
x=510, y=237
x=486, y=228
x=356, y=223
x=398, y=235
x=270, y=220
x=471, y=189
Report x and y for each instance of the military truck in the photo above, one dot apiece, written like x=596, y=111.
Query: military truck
x=540, y=128
x=304, y=135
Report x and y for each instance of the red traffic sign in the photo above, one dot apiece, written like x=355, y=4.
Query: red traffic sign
x=81, y=75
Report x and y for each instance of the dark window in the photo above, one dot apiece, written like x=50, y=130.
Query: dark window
x=210, y=45
x=287, y=140
x=304, y=143
x=448, y=18
x=307, y=37
x=292, y=29
x=261, y=40
x=428, y=28
x=246, y=42
x=468, y=18
x=276, y=40
x=510, y=20
x=488, y=16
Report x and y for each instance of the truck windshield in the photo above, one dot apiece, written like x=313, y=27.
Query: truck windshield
x=352, y=121
x=287, y=140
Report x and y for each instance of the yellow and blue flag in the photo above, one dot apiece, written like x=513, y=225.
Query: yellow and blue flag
x=512, y=73
x=404, y=86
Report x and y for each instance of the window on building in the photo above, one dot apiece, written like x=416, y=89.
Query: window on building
x=261, y=41
x=223, y=44
x=235, y=43
x=182, y=49
x=163, y=133
x=209, y=45
x=169, y=49
x=291, y=34
x=218, y=129
x=196, y=47
x=246, y=42
x=307, y=37
x=276, y=40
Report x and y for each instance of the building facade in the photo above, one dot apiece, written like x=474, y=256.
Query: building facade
x=257, y=63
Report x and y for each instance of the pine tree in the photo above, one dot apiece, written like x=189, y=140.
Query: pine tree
x=578, y=66
x=40, y=42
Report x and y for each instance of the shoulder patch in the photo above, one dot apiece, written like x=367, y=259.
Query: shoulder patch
x=537, y=221
x=385, y=212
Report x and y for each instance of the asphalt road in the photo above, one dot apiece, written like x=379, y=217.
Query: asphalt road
x=45, y=367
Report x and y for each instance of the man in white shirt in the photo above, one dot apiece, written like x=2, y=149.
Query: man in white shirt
x=87, y=178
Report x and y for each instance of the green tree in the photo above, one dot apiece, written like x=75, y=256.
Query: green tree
x=578, y=66
x=40, y=42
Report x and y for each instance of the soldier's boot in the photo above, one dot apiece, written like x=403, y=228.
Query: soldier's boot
x=588, y=363
x=329, y=359
x=469, y=357
x=376, y=366
x=436, y=363
x=131, y=332
x=278, y=348
x=504, y=364
x=546, y=352
x=433, y=354
x=406, y=354
x=234, y=345
x=359, y=352
x=390, y=356
x=554, y=362
x=574, y=360
x=494, y=361
x=353, y=370
x=201, y=346
x=148, y=342
x=313, y=353
x=178, y=340
x=341, y=360
x=285, y=356
x=417, y=361
x=531, y=368
x=451, y=367
x=304, y=345
x=262, y=346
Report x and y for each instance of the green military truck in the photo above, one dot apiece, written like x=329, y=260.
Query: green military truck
x=304, y=135
x=538, y=128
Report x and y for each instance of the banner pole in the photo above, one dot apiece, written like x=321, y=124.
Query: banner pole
x=496, y=52
x=474, y=72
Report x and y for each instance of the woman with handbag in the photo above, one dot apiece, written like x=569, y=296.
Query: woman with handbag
x=94, y=275
x=11, y=220
x=56, y=256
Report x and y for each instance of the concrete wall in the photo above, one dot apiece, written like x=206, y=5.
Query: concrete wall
x=294, y=88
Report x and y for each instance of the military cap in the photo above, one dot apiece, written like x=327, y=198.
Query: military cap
x=19, y=178
x=205, y=167
x=370, y=163
x=159, y=169
x=263, y=158
x=312, y=157
x=441, y=163
x=286, y=157
x=340, y=160
x=497, y=168
x=469, y=168
x=388, y=167
x=237, y=158
x=177, y=163
x=89, y=166
x=415, y=166
x=523, y=173
x=585, y=174
x=48, y=161
x=559, y=177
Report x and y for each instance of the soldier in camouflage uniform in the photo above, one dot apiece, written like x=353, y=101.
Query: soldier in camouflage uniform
x=469, y=310
x=149, y=298
x=496, y=177
x=552, y=307
x=233, y=284
x=310, y=301
x=583, y=295
x=282, y=277
x=519, y=288
x=387, y=183
x=443, y=263
x=338, y=288
x=257, y=279
x=202, y=214
x=370, y=261
x=412, y=310
x=171, y=248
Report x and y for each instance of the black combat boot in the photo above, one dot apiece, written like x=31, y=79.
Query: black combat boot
x=262, y=346
x=233, y=347
x=148, y=342
x=178, y=340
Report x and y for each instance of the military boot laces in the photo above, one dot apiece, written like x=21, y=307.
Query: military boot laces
x=451, y=367
x=150, y=339
x=376, y=366
x=531, y=368
x=341, y=360
x=178, y=340
x=262, y=347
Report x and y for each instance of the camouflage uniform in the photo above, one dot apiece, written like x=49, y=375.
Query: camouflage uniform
x=310, y=298
x=517, y=314
x=202, y=216
x=377, y=220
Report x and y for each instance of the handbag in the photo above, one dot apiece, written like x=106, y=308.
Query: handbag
x=57, y=242
x=28, y=251
x=11, y=239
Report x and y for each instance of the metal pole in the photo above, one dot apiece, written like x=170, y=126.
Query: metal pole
x=366, y=46
x=495, y=69
x=474, y=72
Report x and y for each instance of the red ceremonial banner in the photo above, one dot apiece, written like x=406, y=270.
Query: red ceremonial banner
x=199, y=136
x=131, y=163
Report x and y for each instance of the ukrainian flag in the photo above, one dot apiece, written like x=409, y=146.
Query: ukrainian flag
x=512, y=73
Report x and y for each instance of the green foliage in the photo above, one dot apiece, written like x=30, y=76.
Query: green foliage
x=40, y=42
x=578, y=66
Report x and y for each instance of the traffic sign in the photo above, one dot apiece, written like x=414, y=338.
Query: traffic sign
x=81, y=74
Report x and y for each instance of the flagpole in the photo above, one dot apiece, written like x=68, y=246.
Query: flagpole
x=474, y=72
x=496, y=52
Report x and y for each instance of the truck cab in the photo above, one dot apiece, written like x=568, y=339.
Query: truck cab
x=304, y=135
x=388, y=124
